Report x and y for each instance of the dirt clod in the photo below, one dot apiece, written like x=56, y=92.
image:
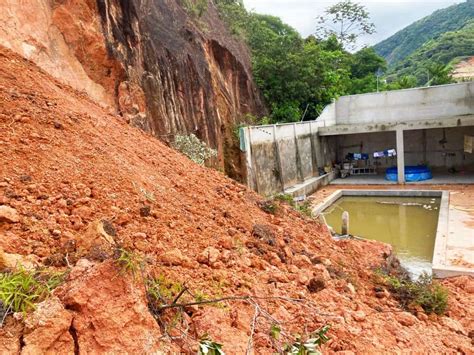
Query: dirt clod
x=316, y=285
x=145, y=211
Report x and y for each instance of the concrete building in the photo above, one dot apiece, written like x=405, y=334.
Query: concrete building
x=425, y=126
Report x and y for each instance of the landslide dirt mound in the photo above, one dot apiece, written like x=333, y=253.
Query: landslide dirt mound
x=75, y=180
x=160, y=65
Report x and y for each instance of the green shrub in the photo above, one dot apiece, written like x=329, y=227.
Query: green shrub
x=20, y=290
x=424, y=292
x=193, y=148
x=287, y=198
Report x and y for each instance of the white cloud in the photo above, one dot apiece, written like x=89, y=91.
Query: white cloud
x=389, y=16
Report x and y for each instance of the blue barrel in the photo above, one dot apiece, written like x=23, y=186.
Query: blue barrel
x=412, y=173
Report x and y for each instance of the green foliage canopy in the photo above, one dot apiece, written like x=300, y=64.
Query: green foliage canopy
x=432, y=62
x=299, y=77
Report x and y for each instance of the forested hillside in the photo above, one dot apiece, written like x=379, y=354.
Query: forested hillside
x=405, y=42
x=447, y=49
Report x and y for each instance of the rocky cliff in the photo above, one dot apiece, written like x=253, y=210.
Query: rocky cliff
x=158, y=64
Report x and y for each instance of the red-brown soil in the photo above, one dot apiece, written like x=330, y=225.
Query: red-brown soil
x=65, y=163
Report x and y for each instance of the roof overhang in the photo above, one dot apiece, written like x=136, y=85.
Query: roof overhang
x=456, y=121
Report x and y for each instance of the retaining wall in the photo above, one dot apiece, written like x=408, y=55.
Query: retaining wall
x=282, y=156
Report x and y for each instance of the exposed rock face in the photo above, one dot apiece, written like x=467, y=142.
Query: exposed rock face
x=64, y=38
x=161, y=69
x=195, y=76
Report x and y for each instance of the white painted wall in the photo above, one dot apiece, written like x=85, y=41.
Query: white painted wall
x=295, y=149
x=428, y=103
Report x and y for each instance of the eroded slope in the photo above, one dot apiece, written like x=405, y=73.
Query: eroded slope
x=66, y=164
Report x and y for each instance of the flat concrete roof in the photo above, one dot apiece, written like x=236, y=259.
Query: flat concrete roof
x=456, y=121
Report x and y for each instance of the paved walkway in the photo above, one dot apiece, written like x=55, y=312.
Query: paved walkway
x=460, y=243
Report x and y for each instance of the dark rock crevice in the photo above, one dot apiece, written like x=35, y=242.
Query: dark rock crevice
x=75, y=338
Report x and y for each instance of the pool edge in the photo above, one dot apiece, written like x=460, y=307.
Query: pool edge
x=439, y=265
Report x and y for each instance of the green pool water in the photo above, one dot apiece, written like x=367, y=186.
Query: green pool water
x=407, y=223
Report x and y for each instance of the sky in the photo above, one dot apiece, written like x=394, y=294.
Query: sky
x=389, y=16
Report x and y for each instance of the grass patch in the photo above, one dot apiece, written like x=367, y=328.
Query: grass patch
x=269, y=206
x=22, y=289
x=304, y=208
x=424, y=292
x=286, y=198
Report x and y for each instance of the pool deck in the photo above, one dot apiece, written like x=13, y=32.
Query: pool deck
x=454, y=247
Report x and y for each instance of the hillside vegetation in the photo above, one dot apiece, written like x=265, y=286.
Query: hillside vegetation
x=405, y=42
x=448, y=49
x=298, y=76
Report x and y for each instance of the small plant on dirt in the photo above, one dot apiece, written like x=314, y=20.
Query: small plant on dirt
x=424, y=292
x=209, y=347
x=194, y=149
x=287, y=198
x=21, y=289
x=311, y=345
x=162, y=291
x=128, y=261
x=302, y=207
x=275, y=331
x=268, y=206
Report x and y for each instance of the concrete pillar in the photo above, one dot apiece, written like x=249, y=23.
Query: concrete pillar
x=400, y=157
x=345, y=223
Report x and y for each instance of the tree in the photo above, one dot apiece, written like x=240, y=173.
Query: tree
x=439, y=74
x=299, y=77
x=365, y=62
x=347, y=21
x=404, y=82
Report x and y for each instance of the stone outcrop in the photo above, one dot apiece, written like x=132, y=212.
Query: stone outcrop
x=163, y=69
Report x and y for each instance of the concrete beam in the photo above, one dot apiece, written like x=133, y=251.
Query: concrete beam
x=400, y=157
x=456, y=121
